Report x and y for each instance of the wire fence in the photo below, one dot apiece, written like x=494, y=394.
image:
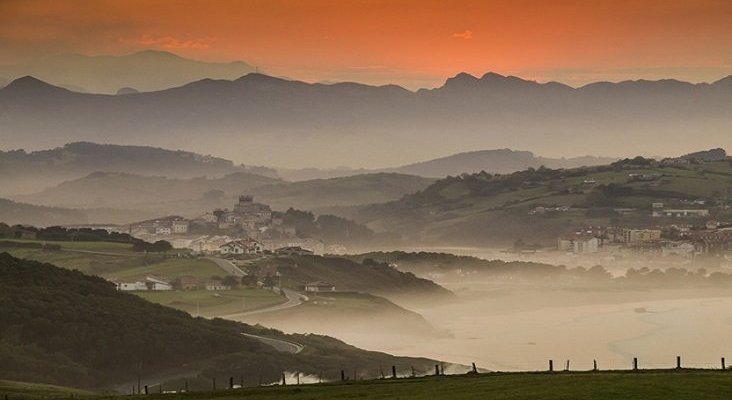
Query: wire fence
x=403, y=372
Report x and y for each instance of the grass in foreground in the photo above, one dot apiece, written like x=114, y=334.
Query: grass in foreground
x=18, y=390
x=646, y=385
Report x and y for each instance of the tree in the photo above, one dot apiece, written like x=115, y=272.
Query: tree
x=230, y=281
x=268, y=281
x=249, y=281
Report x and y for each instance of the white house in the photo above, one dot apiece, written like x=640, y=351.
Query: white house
x=180, y=226
x=680, y=213
x=154, y=283
x=150, y=283
x=131, y=286
x=247, y=246
x=217, y=286
x=579, y=243
x=319, y=287
x=163, y=230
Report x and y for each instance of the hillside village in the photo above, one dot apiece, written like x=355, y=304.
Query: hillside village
x=249, y=228
x=675, y=231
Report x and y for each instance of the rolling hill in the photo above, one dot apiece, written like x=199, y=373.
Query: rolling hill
x=540, y=204
x=26, y=172
x=160, y=195
x=12, y=213
x=63, y=327
x=347, y=275
x=498, y=161
x=267, y=120
x=320, y=194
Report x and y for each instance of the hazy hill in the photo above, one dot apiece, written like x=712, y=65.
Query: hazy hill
x=119, y=189
x=146, y=71
x=319, y=194
x=347, y=275
x=24, y=172
x=707, y=155
x=540, y=204
x=63, y=327
x=197, y=195
x=494, y=161
x=12, y=212
x=267, y=120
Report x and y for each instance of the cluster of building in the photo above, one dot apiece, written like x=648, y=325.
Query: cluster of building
x=682, y=240
x=250, y=228
x=171, y=225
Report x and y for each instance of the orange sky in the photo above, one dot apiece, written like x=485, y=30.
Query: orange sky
x=416, y=43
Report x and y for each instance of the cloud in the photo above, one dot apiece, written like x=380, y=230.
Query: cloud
x=171, y=43
x=465, y=35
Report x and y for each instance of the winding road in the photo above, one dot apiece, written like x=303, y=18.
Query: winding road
x=294, y=299
x=283, y=346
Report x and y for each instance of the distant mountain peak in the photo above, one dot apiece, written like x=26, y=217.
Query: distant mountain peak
x=30, y=84
x=492, y=76
x=258, y=76
x=155, y=53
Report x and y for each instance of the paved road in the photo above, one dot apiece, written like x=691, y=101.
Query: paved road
x=227, y=266
x=280, y=345
x=294, y=299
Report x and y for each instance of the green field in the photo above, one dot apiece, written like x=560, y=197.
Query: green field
x=210, y=304
x=597, y=386
x=117, y=262
x=644, y=385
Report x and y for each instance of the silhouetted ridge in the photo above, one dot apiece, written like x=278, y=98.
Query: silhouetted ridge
x=32, y=85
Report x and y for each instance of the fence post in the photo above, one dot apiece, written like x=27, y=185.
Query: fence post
x=284, y=382
x=393, y=371
x=298, y=377
x=160, y=388
x=231, y=382
x=475, y=370
x=678, y=362
x=567, y=367
x=635, y=363
x=723, y=366
x=146, y=392
x=594, y=365
x=413, y=373
x=343, y=375
x=437, y=369
x=551, y=365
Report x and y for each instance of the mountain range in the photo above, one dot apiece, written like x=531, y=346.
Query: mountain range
x=273, y=121
x=143, y=71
